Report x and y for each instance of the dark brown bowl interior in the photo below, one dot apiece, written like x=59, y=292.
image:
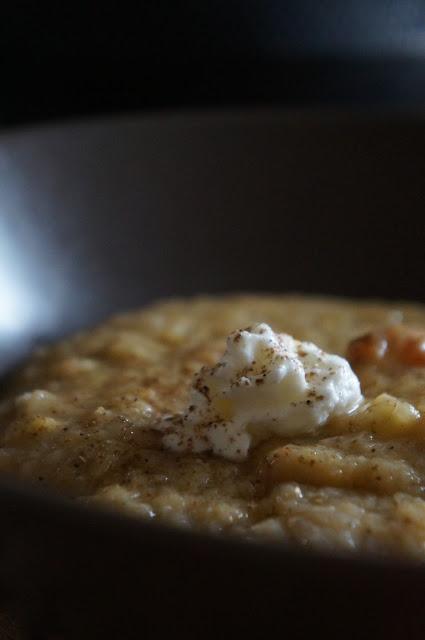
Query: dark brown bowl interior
x=105, y=215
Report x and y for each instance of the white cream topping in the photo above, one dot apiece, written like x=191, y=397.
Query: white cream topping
x=266, y=383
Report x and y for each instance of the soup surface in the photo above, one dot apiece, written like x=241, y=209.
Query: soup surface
x=81, y=417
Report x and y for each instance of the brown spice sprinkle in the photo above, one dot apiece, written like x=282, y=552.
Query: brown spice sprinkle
x=90, y=401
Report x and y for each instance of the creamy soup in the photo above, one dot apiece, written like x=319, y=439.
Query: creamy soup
x=109, y=417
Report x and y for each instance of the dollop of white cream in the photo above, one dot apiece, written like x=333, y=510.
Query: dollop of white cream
x=266, y=383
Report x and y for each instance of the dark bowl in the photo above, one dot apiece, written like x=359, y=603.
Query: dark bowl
x=109, y=214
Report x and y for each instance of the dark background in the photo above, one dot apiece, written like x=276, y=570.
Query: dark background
x=71, y=60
